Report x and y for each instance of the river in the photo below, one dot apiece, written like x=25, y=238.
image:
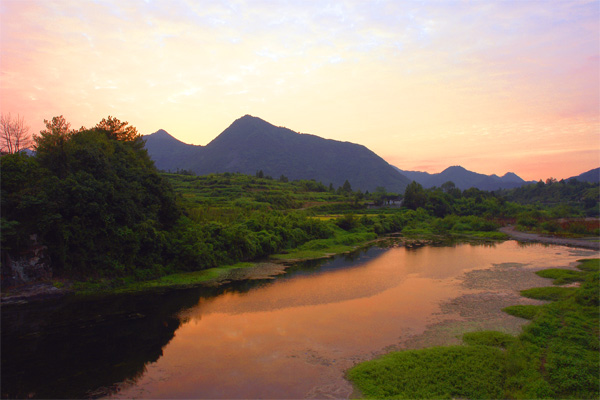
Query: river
x=291, y=337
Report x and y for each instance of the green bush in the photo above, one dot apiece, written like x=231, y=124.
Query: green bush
x=438, y=372
x=556, y=356
x=548, y=293
x=523, y=311
x=488, y=338
x=561, y=276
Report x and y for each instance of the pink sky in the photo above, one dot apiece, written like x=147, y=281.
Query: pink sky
x=493, y=86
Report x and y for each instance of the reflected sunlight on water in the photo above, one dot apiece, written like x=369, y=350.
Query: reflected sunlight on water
x=294, y=337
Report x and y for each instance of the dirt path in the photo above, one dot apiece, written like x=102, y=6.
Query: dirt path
x=586, y=243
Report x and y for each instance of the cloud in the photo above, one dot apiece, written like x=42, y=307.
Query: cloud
x=399, y=77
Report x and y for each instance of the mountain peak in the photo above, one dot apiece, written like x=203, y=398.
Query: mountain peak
x=454, y=168
x=250, y=144
x=161, y=133
x=464, y=179
x=511, y=176
x=249, y=131
x=161, y=138
x=250, y=120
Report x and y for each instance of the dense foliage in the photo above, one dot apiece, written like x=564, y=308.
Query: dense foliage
x=95, y=199
x=560, y=196
x=92, y=196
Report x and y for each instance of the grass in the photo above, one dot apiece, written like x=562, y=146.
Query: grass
x=523, y=311
x=177, y=280
x=493, y=235
x=561, y=276
x=313, y=254
x=434, y=373
x=319, y=248
x=556, y=356
x=548, y=293
x=488, y=338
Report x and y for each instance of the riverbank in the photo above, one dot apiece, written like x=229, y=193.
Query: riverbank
x=211, y=277
x=274, y=266
x=555, y=356
x=592, y=243
x=316, y=322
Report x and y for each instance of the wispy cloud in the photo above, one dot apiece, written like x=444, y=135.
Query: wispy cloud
x=404, y=78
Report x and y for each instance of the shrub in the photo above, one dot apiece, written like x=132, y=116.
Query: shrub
x=438, y=372
x=488, y=338
x=548, y=293
x=561, y=276
x=523, y=311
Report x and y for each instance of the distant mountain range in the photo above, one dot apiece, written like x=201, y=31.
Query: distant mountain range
x=250, y=144
x=465, y=179
x=592, y=176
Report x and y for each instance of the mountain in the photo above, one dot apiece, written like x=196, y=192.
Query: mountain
x=250, y=144
x=465, y=179
x=168, y=153
x=592, y=176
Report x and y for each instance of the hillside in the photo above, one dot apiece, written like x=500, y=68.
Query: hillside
x=170, y=154
x=250, y=144
x=592, y=176
x=465, y=179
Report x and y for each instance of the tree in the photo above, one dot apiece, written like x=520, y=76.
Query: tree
x=118, y=130
x=347, y=188
x=14, y=134
x=447, y=187
x=94, y=199
x=50, y=145
x=415, y=196
x=379, y=196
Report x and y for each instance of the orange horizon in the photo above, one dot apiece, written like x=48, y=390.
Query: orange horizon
x=493, y=87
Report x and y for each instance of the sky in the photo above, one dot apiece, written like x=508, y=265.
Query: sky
x=493, y=86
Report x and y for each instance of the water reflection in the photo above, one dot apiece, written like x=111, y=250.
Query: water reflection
x=291, y=338
x=67, y=349
x=294, y=338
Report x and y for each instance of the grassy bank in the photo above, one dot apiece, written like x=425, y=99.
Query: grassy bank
x=341, y=242
x=177, y=280
x=556, y=355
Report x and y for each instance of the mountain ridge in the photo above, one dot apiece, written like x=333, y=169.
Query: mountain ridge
x=593, y=176
x=465, y=179
x=251, y=144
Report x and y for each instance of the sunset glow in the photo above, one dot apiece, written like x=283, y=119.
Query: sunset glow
x=492, y=86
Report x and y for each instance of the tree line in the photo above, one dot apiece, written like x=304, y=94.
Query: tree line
x=94, y=198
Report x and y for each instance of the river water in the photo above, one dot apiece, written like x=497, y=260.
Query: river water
x=292, y=337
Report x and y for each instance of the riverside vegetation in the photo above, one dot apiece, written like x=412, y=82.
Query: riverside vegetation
x=556, y=355
x=111, y=221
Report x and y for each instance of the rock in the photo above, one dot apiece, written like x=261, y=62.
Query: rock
x=31, y=265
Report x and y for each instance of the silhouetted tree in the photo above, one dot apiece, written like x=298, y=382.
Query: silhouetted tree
x=14, y=134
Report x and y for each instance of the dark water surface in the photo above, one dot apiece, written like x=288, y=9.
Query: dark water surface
x=292, y=337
